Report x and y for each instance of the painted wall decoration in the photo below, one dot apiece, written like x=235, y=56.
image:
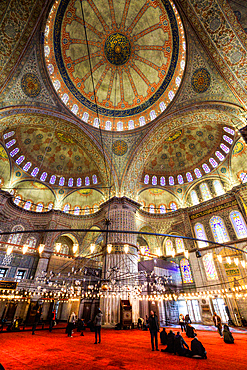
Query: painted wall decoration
x=119, y=147
x=200, y=80
x=30, y=85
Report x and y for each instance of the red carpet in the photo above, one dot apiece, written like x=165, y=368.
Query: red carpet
x=129, y=349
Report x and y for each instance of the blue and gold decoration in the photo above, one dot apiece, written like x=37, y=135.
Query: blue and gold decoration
x=30, y=85
x=119, y=147
x=117, y=49
x=238, y=148
x=200, y=80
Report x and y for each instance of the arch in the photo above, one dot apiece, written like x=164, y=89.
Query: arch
x=179, y=245
x=169, y=247
x=219, y=230
x=151, y=208
x=186, y=271
x=238, y=224
x=39, y=207
x=173, y=206
x=209, y=267
x=200, y=234
x=205, y=192
x=16, y=238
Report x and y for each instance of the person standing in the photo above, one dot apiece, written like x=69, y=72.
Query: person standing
x=181, y=322
x=97, y=324
x=71, y=324
x=187, y=321
x=52, y=320
x=154, y=329
x=218, y=323
x=36, y=320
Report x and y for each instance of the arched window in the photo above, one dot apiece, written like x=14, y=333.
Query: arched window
x=218, y=187
x=35, y=171
x=10, y=143
x=162, y=208
x=151, y=208
x=43, y=176
x=50, y=206
x=154, y=180
x=131, y=125
x=169, y=247
x=95, y=208
x=27, y=166
x=162, y=181
x=87, y=181
x=243, y=177
x=173, y=206
x=86, y=211
x=120, y=126
x=179, y=245
x=95, y=180
x=238, y=224
x=77, y=210
x=194, y=197
x=213, y=162
x=209, y=267
x=189, y=176
x=64, y=249
x=186, y=271
x=219, y=230
x=146, y=179
x=96, y=122
x=205, y=168
x=39, y=207
x=17, y=200
x=197, y=173
x=62, y=181
x=180, y=179
x=28, y=205
x=171, y=180
x=200, y=234
x=66, y=208
x=75, y=109
x=52, y=179
x=16, y=238
x=70, y=182
x=31, y=241
x=206, y=195
x=79, y=182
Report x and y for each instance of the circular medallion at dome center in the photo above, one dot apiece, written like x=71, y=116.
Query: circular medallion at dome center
x=117, y=49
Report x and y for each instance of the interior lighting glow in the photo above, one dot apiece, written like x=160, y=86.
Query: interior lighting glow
x=228, y=260
x=126, y=248
x=236, y=260
x=41, y=248
x=92, y=248
x=58, y=247
x=9, y=250
x=186, y=253
x=75, y=248
x=142, y=249
x=243, y=264
x=109, y=248
x=219, y=259
x=25, y=248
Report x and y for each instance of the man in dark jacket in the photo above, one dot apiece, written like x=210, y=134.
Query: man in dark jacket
x=97, y=324
x=180, y=346
x=170, y=342
x=197, y=349
x=153, y=328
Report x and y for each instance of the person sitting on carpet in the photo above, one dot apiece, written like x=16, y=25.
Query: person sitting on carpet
x=163, y=336
x=170, y=342
x=179, y=346
x=228, y=338
x=191, y=331
x=197, y=349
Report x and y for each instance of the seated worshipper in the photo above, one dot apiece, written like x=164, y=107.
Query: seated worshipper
x=197, y=349
x=163, y=336
x=170, y=342
x=191, y=331
x=227, y=335
x=179, y=346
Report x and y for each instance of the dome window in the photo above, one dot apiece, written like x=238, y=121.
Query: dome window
x=180, y=179
x=65, y=98
x=35, y=171
x=39, y=207
x=189, y=176
x=178, y=81
x=27, y=166
x=66, y=208
x=20, y=159
x=96, y=122
x=227, y=139
x=154, y=180
x=151, y=208
x=162, y=106
x=50, y=206
x=85, y=117
x=70, y=182
x=52, y=179
x=8, y=134
x=162, y=181
x=205, y=168
x=77, y=210
x=14, y=152
x=57, y=85
x=79, y=182
x=87, y=181
x=224, y=148
x=213, y=162
x=10, y=143
x=229, y=130
x=120, y=126
x=171, y=180
x=173, y=206
x=131, y=125
x=171, y=95
x=95, y=180
x=75, y=109
x=61, y=181
x=27, y=205
x=142, y=121
x=43, y=176
x=162, y=208
x=152, y=114
x=146, y=179
x=197, y=173
x=17, y=200
x=108, y=125
x=219, y=155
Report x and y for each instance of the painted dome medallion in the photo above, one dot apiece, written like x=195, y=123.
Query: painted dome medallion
x=117, y=62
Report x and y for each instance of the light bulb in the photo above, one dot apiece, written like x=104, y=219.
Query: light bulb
x=9, y=250
x=109, y=248
x=25, y=248
x=41, y=248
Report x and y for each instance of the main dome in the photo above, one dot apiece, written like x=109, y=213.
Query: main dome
x=131, y=58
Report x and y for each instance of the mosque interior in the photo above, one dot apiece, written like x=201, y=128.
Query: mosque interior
x=123, y=159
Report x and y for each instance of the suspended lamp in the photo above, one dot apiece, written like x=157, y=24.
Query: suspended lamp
x=25, y=248
x=41, y=248
x=9, y=250
x=58, y=247
x=142, y=249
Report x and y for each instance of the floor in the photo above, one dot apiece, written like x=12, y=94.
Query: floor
x=120, y=349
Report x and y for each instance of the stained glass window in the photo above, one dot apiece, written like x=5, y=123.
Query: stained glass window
x=50, y=206
x=75, y=109
x=87, y=181
x=171, y=95
x=162, y=106
x=238, y=224
x=10, y=143
x=173, y=206
x=162, y=181
x=200, y=234
x=120, y=126
x=95, y=208
x=218, y=187
x=229, y=130
x=179, y=245
x=27, y=166
x=53, y=179
x=146, y=179
x=28, y=205
x=206, y=195
x=142, y=121
x=209, y=267
x=219, y=155
x=66, y=208
x=180, y=179
x=171, y=180
x=194, y=197
x=61, y=181
x=186, y=271
x=162, y=208
x=205, y=168
x=151, y=208
x=131, y=125
x=16, y=238
x=35, y=171
x=43, y=176
x=243, y=177
x=39, y=207
x=178, y=81
x=224, y=148
x=14, y=152
x=20, y=159
x=8, y=134
x=79, y=182
x=213, y=162
x=77, y=210
x=197, y=173
x=189, y=177
x=70, y=182
x=65, y=98
x=169, y=247
x=95, y=180
x=108, y=125
x=152, y=114
x=219, y=230
x=96, y=122
x=154, y=180
x=17, y=200
x=227, y=139
x=31, y=242
x=86, y=211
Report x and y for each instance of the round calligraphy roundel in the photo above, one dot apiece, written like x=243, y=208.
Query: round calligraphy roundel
x=117, y=64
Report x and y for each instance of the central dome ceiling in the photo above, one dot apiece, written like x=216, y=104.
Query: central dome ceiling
x=132, y=55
